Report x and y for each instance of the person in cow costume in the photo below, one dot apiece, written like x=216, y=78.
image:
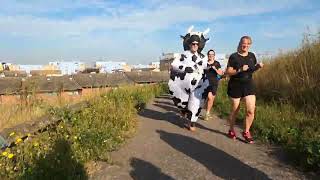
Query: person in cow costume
x=188, y=83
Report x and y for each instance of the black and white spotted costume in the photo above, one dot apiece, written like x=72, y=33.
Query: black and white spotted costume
x=188, y=83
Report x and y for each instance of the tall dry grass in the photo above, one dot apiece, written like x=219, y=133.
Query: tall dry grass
x=34, y=106
x=293, y=77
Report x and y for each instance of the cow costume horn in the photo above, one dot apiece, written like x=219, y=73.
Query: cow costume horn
x=201, y=35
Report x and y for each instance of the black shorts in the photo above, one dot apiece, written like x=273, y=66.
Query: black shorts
x=239, y=89
x=213, y=89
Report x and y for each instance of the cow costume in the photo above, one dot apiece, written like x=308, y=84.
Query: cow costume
x=188, y=83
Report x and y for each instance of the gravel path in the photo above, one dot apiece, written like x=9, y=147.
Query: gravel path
x=163, y=149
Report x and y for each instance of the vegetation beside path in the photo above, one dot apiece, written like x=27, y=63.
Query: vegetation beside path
x=88, y=134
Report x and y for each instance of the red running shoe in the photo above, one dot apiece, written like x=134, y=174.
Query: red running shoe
x=247, y=137
x=232, y=134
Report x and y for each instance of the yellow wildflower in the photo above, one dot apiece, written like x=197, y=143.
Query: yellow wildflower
x=36, y=144
x=10, y=156
x=75, y=137
x=61, y=127
x=5, y=153
x=18, y=140
x=11, y=134
x=29, y=135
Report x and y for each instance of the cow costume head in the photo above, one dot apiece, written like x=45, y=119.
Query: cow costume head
x=201, y=35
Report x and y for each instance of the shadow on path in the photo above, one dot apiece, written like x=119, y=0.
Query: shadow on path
x=164, y=97
x=218, y=162
x=172, y=117
x=167, y=107
x=145, y=170
x=164, y=102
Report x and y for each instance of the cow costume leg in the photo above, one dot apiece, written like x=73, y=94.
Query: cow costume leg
x=196, y=101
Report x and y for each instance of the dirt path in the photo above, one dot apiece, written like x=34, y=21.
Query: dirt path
x=164, y=149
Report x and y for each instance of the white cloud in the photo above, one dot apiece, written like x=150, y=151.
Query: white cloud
x=133, y=18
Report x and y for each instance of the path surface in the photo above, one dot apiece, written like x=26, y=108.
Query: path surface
x=163, y=149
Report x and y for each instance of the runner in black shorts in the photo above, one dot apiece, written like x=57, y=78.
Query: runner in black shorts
x=213, y=73
x=241, y=66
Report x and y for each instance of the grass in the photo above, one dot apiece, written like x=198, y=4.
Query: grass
x=293, y=78
x=36, y=106
x=288, y=104
x=15, y=114
x=82, y=136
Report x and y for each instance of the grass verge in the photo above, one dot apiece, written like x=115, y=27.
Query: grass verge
x=81, y=136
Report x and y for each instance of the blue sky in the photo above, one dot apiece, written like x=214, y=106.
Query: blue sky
x=38, y=31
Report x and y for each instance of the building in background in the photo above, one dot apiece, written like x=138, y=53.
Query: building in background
x=49, y=67
x=15, y=74
x=155, y=65
x=68, y=67
x=28, y=67
x=112, y=66
x=143, y=67
x=166, y=60
x=45, y=72
x=3, y=67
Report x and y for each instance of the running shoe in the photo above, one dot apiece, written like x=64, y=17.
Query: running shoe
x=207, y=117
x=247, y=137
x=232, y=134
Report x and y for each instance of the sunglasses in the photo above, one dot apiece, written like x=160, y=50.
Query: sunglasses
x=193, y=44
x=212, y=54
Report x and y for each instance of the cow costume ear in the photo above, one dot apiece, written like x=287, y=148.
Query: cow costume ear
x=201, y=35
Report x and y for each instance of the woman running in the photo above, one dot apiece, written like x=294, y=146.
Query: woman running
x=213, y=73
x=241, y=66
x=188, y=82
